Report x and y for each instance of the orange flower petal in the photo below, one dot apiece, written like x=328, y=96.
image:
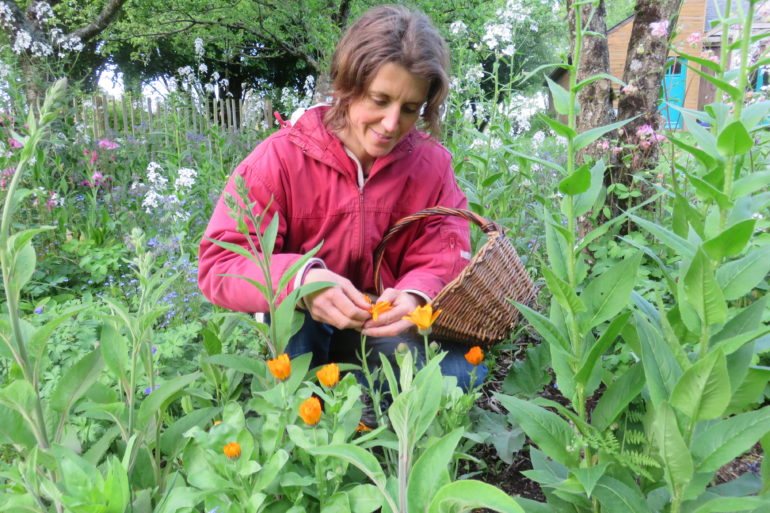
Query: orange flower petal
x=310, y=410
x=380, y=308
x=475, y=355
x=232, y=450
x=280, y=367
x=329, y=375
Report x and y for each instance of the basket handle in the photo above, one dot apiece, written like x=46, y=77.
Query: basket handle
x=487, y=226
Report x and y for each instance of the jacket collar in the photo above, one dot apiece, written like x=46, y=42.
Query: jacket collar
x=311, y=135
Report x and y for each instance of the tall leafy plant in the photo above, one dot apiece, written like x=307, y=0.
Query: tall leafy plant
x=663, y=426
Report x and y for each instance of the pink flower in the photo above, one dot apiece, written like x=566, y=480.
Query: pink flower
x=645, y=144
x=659, y=28
x=629, y=89
x=106, y=144
x=97, y=176
x=694, y=39
x=644, y=131
x=14, y=143
x=93, y=158
x=616, y=150
x=53, y=200
x=604, y=145
x=708, y=54
x=659, y=138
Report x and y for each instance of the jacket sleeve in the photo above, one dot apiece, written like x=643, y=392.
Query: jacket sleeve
x=441, y=249
x=261, y=172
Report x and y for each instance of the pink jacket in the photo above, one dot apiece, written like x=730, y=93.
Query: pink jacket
x=315, y=191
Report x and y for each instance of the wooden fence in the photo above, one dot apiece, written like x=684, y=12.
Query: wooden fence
x=107, y=116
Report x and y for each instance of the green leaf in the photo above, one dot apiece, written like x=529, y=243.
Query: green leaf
x=528, y=376
x=739, y=277
x=543, y=325
x=269, y=236
x=585, y=138
x=661, y=369
x=558, y=128
x=155, y=403
x=563, y=293
x=677, y=461
x=734, y=505
x=291, y=272
x=545, y=163
x=707, y=161
x=23, y=265
x=561, y=97
x=364, y=498
x=429, y=472
x=682, y=246
x=706, y=63
x=598, y=349
x=360, y=458
x=469, y=494
x=723, y=441
x=733, y=91
x=557, y=247
x=172, y=440
x=731, y=241
x=240, y=363
x=548, y=431
x=703, y=137
x=608, y=294
x=594, y=78
x=753, y=114
x=271, y=469
x=576, y=183
x=751, y=390
x=588, y=477
x=235, y=248
x=703, y=292
x=703, y=391
x=616, y=397
x=114, y=350
x=585, y=200
x=750, y=184
x=617, y=497
x=14, y=429
x=706, y=191
x=76, y=381
x=734, y=140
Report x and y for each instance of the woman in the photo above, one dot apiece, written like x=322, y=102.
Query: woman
x=342, y=175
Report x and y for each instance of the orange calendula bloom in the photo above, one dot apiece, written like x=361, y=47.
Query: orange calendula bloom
x=232, y=450
x=362, y=427
x=328, y=375
x=423, y=317
x=217, y=422
x=475, y=356
x=378, y=308
x=280, y=367
x=310, y=410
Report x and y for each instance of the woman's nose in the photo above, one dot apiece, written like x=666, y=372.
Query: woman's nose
x=391, y=118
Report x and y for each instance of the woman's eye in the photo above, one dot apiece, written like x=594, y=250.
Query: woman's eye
x=379, y=101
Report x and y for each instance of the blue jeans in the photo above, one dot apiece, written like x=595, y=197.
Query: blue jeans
x=329, y=344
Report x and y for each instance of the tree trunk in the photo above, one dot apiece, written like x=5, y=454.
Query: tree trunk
x=595, y=99
x=644, y=72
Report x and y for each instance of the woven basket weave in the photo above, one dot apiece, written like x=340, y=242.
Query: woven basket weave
x=475, y=306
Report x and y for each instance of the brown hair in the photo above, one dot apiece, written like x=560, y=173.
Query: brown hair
x=389, y=33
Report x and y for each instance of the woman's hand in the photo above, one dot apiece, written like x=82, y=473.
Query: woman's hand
x=342, y=306
x=390, y=323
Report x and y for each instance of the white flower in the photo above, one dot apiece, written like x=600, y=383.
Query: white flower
x=185, y=71
x=199, y=47
x=22, y=41
x=43, y=12
x=203, y=68
x=157, y=180
x=6, y=16
x=509, y=50
x=458, y=27
x=659, y=28
x=186, y=179
x=538, y=138
x=497, y=34
x=636, y=65
x=39, y=49
x=474, y=73
x=151, y=201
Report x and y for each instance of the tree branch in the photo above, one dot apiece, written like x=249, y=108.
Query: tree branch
x=101, y=22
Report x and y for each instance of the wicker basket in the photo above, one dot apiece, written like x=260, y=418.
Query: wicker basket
x=475, y=305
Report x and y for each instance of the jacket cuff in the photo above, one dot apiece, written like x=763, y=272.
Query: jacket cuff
x=299, y=278
x=420, y=294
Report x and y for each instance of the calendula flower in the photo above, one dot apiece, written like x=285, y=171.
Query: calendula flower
x=329, y=375
x=378, y=308
x=475, y=356
x=423, y=317
x=232, y=450
x=217, y=422
x=310, y=410
x=280, y=367
x=362, y=427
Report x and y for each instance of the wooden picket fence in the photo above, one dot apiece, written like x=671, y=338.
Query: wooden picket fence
x=131, y=116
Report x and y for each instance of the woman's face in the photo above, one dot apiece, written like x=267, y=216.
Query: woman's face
x=384, y=114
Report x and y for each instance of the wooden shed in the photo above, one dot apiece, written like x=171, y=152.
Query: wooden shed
x=681, y=86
